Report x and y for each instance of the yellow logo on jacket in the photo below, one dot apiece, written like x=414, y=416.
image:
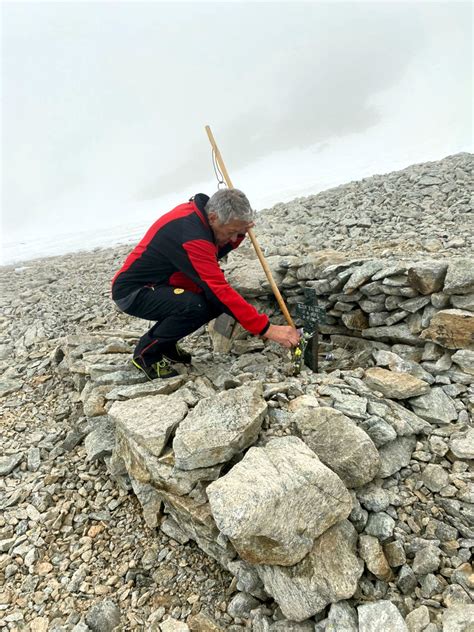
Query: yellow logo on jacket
x=178, y=290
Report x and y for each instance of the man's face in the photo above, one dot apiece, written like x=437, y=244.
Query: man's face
x=228, y=232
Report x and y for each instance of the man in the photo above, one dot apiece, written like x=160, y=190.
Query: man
x=173, y=277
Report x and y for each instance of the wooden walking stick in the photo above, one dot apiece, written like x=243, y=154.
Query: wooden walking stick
x=253, y=239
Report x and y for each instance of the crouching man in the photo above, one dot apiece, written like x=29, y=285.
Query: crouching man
x=173, y=277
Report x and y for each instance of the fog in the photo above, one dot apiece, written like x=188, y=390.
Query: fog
x=104, y=105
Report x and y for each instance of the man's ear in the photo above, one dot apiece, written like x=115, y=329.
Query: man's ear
x=212, y=217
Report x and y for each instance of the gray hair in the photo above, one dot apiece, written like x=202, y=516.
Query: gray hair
x=230, y=204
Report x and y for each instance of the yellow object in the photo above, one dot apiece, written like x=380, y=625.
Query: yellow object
x=178, y=290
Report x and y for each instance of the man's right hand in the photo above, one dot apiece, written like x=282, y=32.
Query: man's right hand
x=285, y=335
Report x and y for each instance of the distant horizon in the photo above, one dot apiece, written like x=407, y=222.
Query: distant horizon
x=133, y=232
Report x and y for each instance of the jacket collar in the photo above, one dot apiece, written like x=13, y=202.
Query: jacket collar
x=200, y=200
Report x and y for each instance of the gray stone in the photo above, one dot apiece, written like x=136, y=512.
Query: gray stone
x=395, y=553
x=220, y=427
x=342, y=617
x=395, y=385
x=6, y=545
x=339, y=443
x=10, y=462
x=401, y=365
x=406, y=581
x=394, y=333
x=431, y=585
x=103, y=617
x=436, y=407
x=460, y=277
x=156, y=387
x=149, y=420
x=418, y=619
x=395, y=455
x=362, y=274
x=247, y=578
x=350, y=405
x=173, y=625
x=291, y=626
x=435, y=477
x=8, y=386
x=378, y=430
x=412, y=305
x=249, y=279
x=380, y=525
x=427, y=276
x=101, y=441
x=427, y=560
x=372, y=553
x=33, y=459
x=465, y=360
x=329, y=573
x=461, y=444
x=373, y=497
x=241, y=604
x=381, y=615
x=458, y=618
x=174, y=531
x=276, y=501
x=465, y=301
x=160, y=471
x=150, y=500
x=81, y=627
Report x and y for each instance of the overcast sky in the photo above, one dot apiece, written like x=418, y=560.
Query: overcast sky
x=108, y=100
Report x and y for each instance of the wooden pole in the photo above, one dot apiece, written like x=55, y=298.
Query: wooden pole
x=253, y=239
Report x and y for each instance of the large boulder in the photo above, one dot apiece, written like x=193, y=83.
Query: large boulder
x=220, y=427
x=329, y=573
x=149, y=420
x=276, y=501
x=451, y=328
x=395, y=385
x=339, y=443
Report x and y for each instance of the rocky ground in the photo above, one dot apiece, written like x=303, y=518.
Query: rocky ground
x=80, y=551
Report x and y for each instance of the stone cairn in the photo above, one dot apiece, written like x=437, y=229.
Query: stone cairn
x=316, y=492
x=338, y=501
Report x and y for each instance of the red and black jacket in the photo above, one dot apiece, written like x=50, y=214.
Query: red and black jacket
x=180, y=250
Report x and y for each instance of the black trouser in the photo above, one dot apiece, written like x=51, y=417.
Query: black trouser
x=177, y=312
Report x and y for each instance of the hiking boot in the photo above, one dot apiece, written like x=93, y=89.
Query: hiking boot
x=161, y=369
x=175, y=353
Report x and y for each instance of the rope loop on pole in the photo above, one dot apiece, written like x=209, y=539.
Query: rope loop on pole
x=217, y=171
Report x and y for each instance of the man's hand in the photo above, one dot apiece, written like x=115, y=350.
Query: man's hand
x=285, y=335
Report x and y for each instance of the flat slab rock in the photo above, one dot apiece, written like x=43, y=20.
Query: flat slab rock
x=451, y=328
x=395, y=385
x=339, y=443
x=220, y=427
x=149, y=420
x=329, y=573
x=276, y=501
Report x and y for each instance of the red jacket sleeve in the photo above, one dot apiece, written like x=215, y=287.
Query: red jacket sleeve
x=203, y=258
